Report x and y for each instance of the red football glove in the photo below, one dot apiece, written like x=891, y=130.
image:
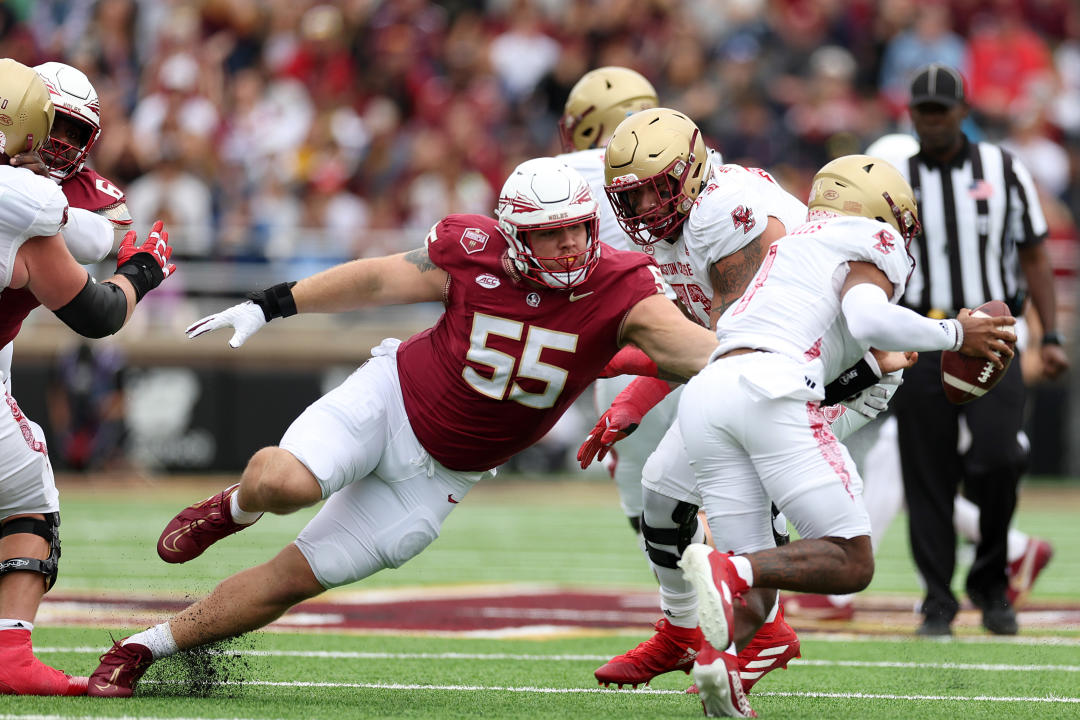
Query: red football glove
x=622, y=418
x=146, y=265
x=630, y=360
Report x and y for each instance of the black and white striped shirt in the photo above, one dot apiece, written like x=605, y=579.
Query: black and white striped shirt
x=974, y=211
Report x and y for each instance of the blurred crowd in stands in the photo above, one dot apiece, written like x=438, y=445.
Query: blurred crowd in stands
x=315, y=131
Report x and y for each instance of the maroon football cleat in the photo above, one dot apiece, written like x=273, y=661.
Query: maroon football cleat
x=719, y=686
x=23, y=674
x=121, y=667
x=671, y=648
x=1023, y=571
x=198, y=527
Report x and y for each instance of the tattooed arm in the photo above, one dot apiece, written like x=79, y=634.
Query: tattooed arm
x=401, y=279
x=731, y=275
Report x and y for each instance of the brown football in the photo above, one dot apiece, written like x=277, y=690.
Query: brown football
x=967, y=378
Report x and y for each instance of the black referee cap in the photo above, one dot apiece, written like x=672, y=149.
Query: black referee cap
x=937, y=83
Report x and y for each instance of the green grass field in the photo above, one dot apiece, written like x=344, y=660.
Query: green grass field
x=549, y=533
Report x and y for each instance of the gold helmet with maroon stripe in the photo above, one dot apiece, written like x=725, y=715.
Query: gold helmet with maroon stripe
x=544, y=194
x=655, y=154
x=867, y=186
x=25, y=108
x=599, y=101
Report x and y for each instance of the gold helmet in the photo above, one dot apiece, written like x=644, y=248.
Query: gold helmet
x=25, y=108
x=656, y=154
x=870, y=187
x=599, y=101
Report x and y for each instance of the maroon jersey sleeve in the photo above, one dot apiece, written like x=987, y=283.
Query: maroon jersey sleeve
x=508, y=357
x=90, y=191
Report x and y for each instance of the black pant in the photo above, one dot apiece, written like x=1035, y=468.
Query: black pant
x=933, y=470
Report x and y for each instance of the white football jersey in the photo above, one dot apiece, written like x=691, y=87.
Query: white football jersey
x=30, y=206
x=732, y=209
x=792, y=306
x=590, y=163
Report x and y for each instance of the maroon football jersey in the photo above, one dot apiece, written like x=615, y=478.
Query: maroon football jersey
x=507, y=357
x=89, y=191
x=85, y=189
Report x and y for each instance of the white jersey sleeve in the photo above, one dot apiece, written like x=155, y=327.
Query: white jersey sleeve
x=733, y=209
x=30, y=206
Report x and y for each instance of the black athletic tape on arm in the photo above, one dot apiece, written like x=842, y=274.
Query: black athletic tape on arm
x=276, y=301
x=851, y=382
x=97, y=311
x=143, y=272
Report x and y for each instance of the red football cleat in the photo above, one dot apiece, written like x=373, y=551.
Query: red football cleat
x=23, y=674
x=198, y=527
x=1023, y=571
x=773, y=647
x=671, y=648
x=817, y=607
x=719, y=685
x=121, y=667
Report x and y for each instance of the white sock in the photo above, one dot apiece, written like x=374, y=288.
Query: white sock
x=241, y=517
x=15, y=624
x=158, y=638
x=1017, y=545
x=743, y=568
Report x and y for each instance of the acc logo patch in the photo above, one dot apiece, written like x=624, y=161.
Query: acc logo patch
x=6, y=120
x=473, y=240
x=488, y=281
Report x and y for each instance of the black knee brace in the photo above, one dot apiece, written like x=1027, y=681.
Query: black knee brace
x=686, y=524
x=48, y=529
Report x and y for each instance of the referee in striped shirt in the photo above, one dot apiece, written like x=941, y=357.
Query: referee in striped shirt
x=982, y=240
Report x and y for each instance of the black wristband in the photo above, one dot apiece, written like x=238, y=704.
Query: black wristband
x=143, y=272
x=851, y=382
x=1053, y=338
x=276, y=301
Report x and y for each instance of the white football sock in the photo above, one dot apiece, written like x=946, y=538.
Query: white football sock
x=159, y=639
x=239, y=516
x=743, y=568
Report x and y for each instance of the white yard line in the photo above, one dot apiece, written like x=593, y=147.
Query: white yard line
x=352, y=655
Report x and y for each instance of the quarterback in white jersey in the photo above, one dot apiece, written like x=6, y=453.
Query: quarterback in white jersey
x=752, y=420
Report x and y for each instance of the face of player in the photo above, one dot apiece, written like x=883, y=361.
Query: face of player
x=938, y=126
x=73, y=134
x=550, y=246
x=650, y=201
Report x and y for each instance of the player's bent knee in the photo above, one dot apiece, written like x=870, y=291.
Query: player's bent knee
x=859, y=563
x=45, y=527
x=279, y=481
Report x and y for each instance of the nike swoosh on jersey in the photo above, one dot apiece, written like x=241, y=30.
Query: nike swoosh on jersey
x=575, y=298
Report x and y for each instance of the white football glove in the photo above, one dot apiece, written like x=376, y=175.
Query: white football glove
x=247, y=318
x=875, y=399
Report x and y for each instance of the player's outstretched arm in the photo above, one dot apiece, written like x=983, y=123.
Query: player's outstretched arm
x=401, y=279
x=677, y=345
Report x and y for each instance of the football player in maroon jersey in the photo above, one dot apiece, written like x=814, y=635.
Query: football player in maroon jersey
x=98, y=216
x=535, y=306
x=36, y=267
